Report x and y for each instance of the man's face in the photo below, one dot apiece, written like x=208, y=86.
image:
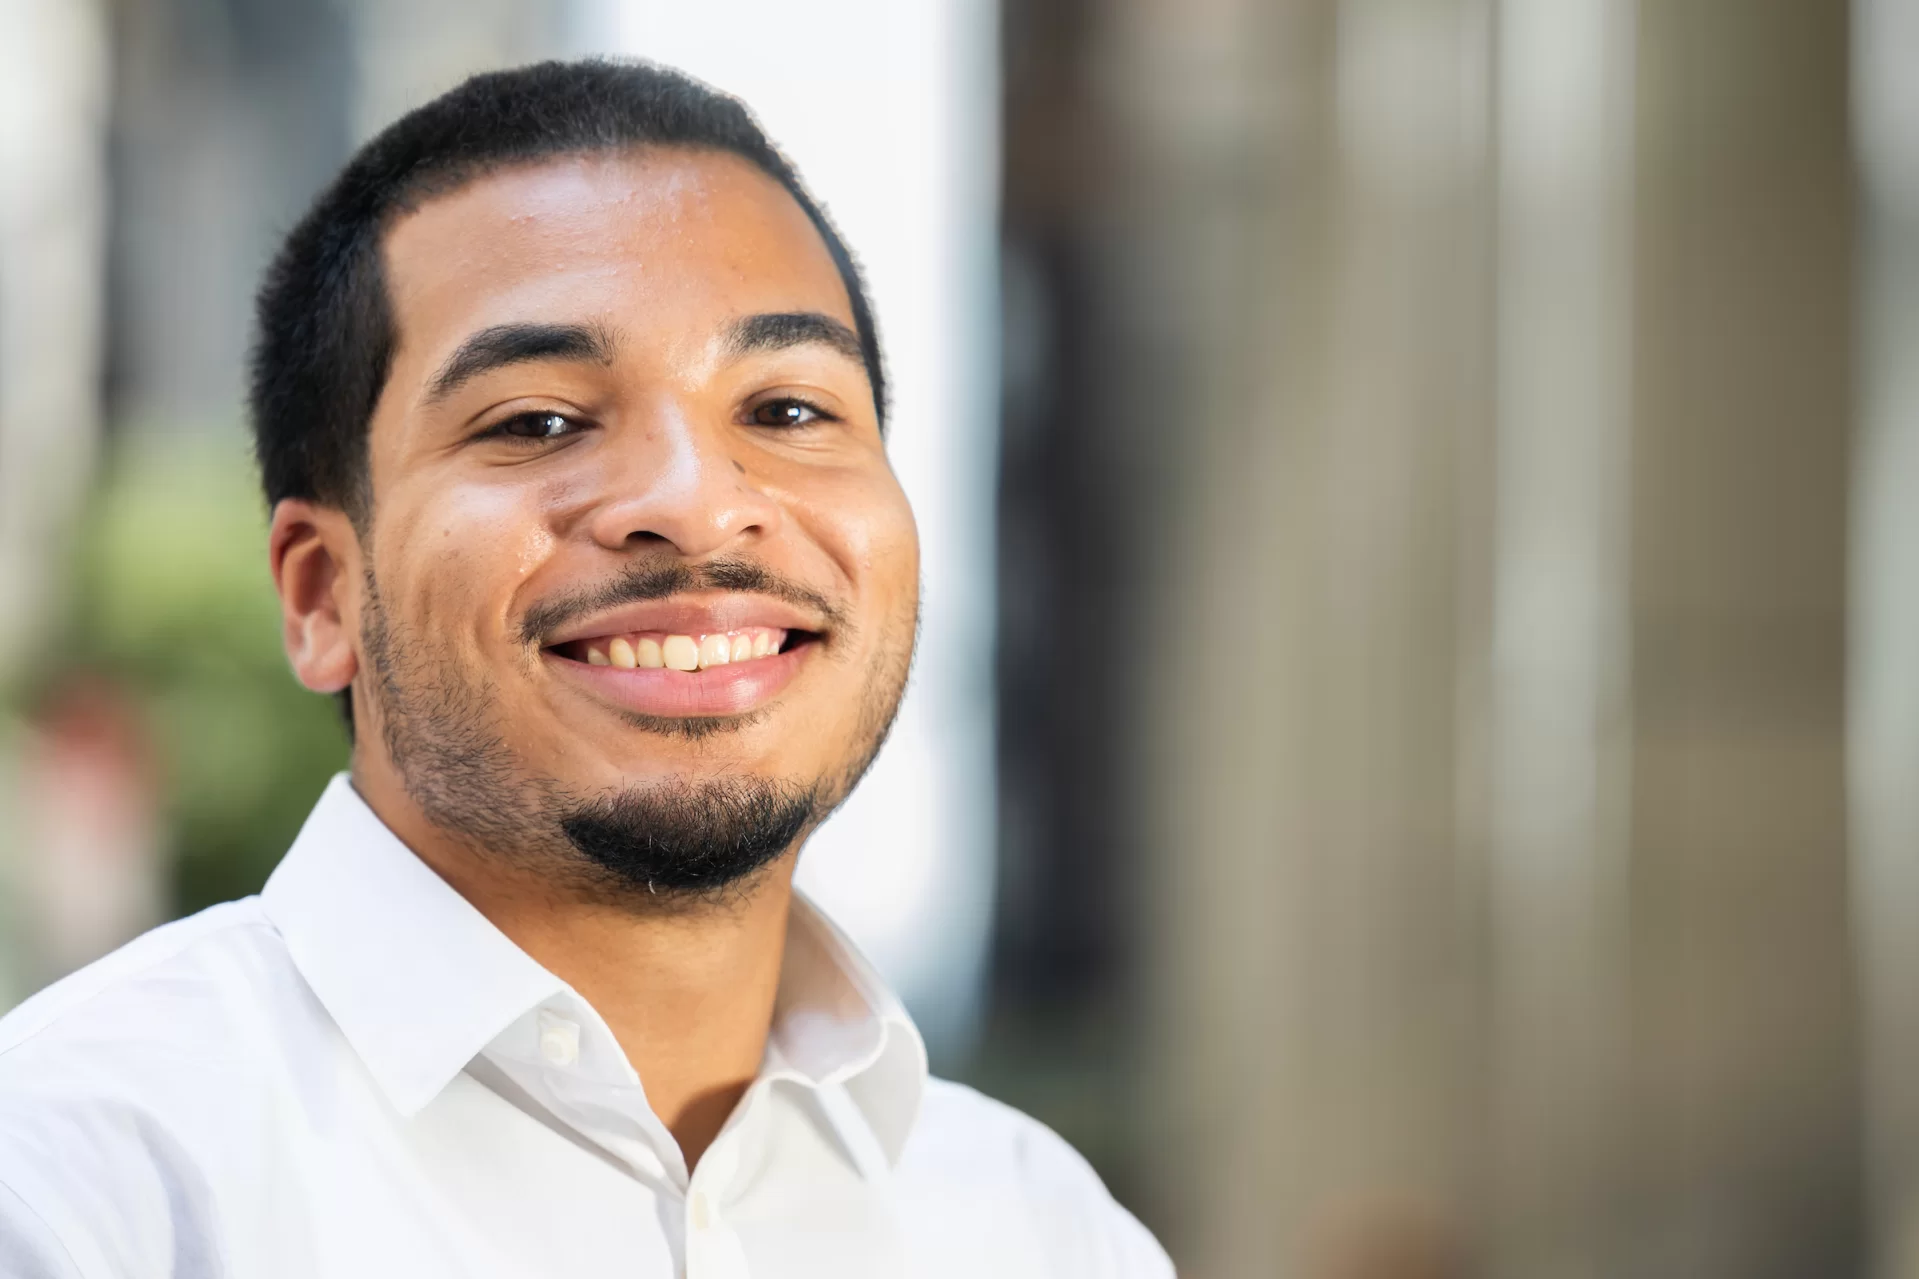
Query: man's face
x=633, y=532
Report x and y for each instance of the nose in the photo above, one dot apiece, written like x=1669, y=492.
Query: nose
x=673, y=478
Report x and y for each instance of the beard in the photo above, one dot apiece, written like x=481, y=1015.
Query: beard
x=665, y=846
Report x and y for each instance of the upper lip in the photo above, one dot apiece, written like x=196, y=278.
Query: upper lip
x=696, y=614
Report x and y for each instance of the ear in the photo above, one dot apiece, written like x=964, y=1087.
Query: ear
x=315, y=555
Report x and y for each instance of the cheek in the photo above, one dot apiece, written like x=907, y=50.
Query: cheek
x=533, y=547
x=865, y=524
x=892, y=550
x=464, y=556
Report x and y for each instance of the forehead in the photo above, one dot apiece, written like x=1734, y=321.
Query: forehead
x=664, y=245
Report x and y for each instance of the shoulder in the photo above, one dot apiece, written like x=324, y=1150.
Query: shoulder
x=183, y=1023
x=164, y=987
x=968, y=1144
x=112, y=1079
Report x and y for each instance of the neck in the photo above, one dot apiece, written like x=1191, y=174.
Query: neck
x=688, y=993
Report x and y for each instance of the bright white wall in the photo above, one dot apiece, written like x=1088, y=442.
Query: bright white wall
x=890, y=110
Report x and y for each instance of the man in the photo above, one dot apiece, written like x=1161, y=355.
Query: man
x=569, y=408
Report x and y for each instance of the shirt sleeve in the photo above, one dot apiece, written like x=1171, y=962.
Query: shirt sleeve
x=28, y=1247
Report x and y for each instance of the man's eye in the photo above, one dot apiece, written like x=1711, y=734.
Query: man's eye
x=536, y=426
x=786, y=413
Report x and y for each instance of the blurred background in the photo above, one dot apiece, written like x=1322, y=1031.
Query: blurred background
x=1414, y=766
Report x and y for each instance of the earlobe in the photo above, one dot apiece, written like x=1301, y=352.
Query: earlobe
x=314, y=553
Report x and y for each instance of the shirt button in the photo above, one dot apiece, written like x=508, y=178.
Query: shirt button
x=560, y=1043
x=702, y=1210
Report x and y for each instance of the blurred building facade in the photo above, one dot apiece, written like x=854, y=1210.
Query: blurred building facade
x=1452, y=404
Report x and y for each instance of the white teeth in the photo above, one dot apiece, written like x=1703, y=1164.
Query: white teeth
x=681, y=653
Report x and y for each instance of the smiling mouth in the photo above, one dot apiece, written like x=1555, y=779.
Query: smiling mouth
x=660, y=650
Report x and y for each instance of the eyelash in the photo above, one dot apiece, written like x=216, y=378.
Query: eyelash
x=502, y=429
x=819, y=414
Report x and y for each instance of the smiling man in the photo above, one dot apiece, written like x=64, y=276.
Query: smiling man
x=570, y=411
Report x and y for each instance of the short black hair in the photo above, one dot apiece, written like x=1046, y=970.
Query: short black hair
x=325, y=333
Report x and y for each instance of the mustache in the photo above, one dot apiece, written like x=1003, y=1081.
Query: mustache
x=639, y=582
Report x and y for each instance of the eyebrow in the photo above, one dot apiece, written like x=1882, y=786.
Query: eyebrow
x=780, y=330
x=508, y=344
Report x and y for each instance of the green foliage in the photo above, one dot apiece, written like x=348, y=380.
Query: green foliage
x=174, y=602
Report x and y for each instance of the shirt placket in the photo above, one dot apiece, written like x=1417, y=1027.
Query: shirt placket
x=713, y=1247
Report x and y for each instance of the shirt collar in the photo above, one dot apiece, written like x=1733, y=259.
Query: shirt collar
x=836, y=1022
x=420, y=982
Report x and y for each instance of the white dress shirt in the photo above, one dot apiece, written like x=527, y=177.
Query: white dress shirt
x=355, y=1074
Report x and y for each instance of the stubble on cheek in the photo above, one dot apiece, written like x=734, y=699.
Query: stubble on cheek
x=442, y=729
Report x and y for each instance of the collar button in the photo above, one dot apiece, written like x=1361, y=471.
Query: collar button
x=560, y=1043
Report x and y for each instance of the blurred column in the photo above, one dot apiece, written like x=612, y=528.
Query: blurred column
x=1884, y=715
x=226, y=117
x=1317, y=176
x=53, y=131
x=1555, y=680
x=1744, y=1095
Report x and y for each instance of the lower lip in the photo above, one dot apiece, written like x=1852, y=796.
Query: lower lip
x=716, y=691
